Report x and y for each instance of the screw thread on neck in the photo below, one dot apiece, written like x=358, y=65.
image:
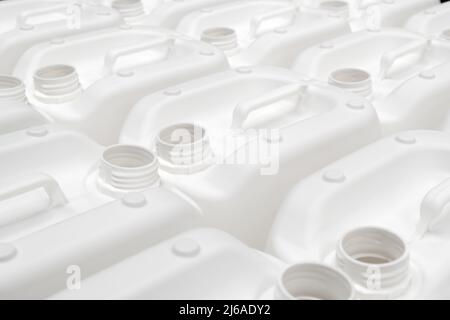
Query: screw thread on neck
x=11, y=89
x=127, y=168
x=56, y=84
x=129, y=9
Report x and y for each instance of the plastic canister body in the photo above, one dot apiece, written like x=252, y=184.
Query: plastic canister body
x=236, y=271
x=56, y=195
x=111, y=233
x=77, y=92
x=390, y=64
x=405, y=192
x=367, y=14
x=284, y=149
x=169, y=14
x=265, y=32
x=38, y=157
x=174, y=269
x=16, y=113
x=26, y=23
x=432, y=22
x=224, y=149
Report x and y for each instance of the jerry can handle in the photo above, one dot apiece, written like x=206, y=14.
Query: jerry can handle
x=113, y=56
x=432, y=208
x=244, y=109
x=33, y=182
x=67, y=9
x=257, y=20
x=389, y=58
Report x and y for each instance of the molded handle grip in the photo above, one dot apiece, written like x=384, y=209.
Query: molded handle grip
x=113, y=56
x=389, y=58
x=433, y=207
x=256, y=21
x=23, y=17
x=244, y=109
x=30, y=183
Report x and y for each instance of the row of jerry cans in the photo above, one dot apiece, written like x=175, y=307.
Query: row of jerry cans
x=183, y=155
x=383, y=219
x=173, y=13
x=53, y=79
x=200, y=263
x=362, y=228
x=375, y=224
x=378, y=216
x=249, y=32
x=241, y=138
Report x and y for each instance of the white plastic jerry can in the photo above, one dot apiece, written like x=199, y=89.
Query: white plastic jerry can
x=385, y=67
x=25, y=23
x=432, y=22
x=371, y=14
x=66, y=205
x=15, y=112
x=94, y=93
x=42, y=159
x=269, y=32
x=236, y=141
x=42, y=263
x=84, y=212
x=384, y=222
x=209, y=264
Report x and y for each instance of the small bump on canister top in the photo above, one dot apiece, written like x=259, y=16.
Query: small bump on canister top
x=186, y=248
x=134, y=200
x=334, y=176
x=406, y=138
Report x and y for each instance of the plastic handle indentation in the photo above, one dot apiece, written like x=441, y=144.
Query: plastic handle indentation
x=23, y=17
x=389, y=58
x=244, y=109
x=433, y=207
x=30, y=183
x=113, y=56
x=256, y=21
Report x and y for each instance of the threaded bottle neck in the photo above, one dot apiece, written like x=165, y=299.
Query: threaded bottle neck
x=127, y=168
x=223, y=38
x=183, y=149
x=353, y=80
x=313, y=282
x=129, y=9
x=56, y=84
x=376, y=260
x=11, y=90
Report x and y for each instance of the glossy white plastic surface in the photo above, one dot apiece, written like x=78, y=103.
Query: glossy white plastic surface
x=432, y=22
x=60, y=197
x=256, y=142
x=24, y=162
x=385, y=67
x=38, y=266
x=224, y=149
x=363, y=14
x=93, y=93
x=270, y=32
x=406, y=191
x=25, y=23
x=15, y=112
x=169, y=13
x=175, y=269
